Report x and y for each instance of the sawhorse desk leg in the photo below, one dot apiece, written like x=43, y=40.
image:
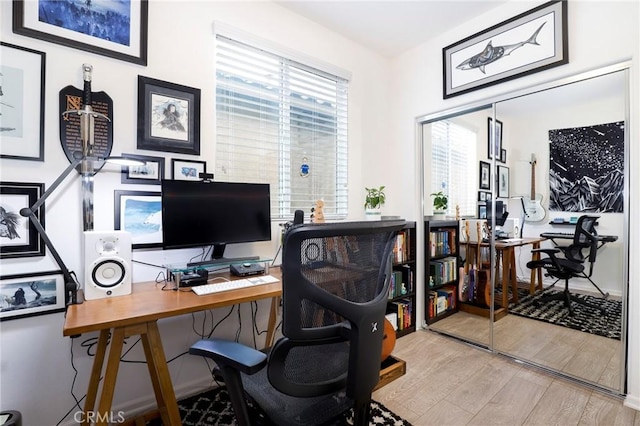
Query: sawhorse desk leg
x=535, y=273
x=273, y=317
x=158, y=371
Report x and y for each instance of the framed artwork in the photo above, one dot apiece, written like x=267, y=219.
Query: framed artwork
x=485, y=175
x=18, y=236
x=187, y=169
x=121, y=32
x=31, y=294
x=140, y=213
x=22, y=81
x=494, y=145
x=531, y=42
x=482, y=211
x=484, y=196
x=168, y=117
x=503, y=182
x=151, y=173
x=503, y=155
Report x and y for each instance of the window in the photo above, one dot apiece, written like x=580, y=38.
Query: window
x=284, y=123
x=453, y=165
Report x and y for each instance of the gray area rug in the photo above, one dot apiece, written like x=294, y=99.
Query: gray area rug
x=585, y=319
x=213, y=408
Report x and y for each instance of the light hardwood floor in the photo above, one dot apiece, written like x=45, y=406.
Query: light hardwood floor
x=452, y=383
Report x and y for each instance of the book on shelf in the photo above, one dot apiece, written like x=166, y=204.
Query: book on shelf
x=442, y=242
x=401, y=251
x=403, y=308
x=442, y=271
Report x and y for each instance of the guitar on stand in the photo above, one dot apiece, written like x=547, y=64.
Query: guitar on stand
x=534, y=212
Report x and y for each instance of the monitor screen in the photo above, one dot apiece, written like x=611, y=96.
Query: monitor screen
x=499, y=212
x=214, y=213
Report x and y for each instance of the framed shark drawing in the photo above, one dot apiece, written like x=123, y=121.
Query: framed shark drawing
x=530, y=42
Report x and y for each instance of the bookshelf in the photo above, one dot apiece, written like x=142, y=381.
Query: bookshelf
x=402, y=291
x=442, y=249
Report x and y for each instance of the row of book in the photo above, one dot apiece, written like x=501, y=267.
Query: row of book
x=442, y=271
x=402, y=248
x=442, y=242
x=442, y=300
x=402, y=311
x=402, y=282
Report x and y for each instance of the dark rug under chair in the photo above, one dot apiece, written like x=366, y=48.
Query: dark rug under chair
x=213, y=408
x=585, y=318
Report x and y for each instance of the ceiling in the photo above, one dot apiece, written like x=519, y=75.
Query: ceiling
x=390, y=27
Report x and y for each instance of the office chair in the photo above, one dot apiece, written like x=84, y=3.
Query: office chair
x=335, y=284
x=571, y=262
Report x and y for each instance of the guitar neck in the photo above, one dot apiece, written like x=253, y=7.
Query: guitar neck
x=533, y=180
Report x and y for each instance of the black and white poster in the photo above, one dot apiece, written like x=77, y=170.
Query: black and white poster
x=586, y=168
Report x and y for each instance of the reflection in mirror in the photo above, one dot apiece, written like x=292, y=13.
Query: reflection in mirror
x=566, y=157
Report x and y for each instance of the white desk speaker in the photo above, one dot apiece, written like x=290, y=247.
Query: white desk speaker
x=107, y=259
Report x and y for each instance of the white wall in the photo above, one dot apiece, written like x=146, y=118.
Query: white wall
x=600, y=33
x=35, y=370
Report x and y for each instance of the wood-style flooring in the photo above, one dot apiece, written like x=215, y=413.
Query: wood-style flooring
x=452, y=383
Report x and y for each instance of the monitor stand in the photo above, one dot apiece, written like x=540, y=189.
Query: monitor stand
x=217, y=256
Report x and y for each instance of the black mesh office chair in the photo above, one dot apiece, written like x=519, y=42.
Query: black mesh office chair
x=335, y=280
x=566, y=262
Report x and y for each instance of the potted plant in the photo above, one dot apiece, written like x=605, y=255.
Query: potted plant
x=373, y=202
x=440, y=201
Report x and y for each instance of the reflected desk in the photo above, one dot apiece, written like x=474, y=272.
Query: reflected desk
x=138, y=314
x=553, y=236
x=506, y=251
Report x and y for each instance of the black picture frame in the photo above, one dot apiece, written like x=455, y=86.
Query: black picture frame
x=168, y=117
x=23, y=83
x=182, y=169
x=502, y=182
x=484, y=176
x=484, y=196
x=482, y=211
x=31, y=294
x=139, y=213
x=494, y=146
x=14, y=242
x=503, y=155
x=151, y=173
x=498, y=54
x=130, y=46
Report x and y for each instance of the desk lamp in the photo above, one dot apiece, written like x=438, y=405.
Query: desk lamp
x=87, y=162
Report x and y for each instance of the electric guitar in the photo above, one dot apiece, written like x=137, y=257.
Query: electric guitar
x=534, y=212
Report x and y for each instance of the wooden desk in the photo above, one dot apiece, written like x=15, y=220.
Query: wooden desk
x=138, y=314
x=506, y=251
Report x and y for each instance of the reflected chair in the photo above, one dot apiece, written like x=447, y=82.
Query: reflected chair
x=566, y=262
x=335, y=284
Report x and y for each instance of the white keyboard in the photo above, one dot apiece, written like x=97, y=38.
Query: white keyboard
x=219, y=287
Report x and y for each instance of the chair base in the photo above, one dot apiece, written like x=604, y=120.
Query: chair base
x=567, y=298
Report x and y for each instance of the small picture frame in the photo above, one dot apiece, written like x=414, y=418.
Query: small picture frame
x=482, y=211
x=31, y=294
x=503, y=182
x=503, y=155
x=123, y=26
x=484, y=177
x=18, y=236
x=187, y=169
x=484, y=196
x=151, y=173
x=168, y=117
x=139, y=213
x=495, y=149
x=22, y=106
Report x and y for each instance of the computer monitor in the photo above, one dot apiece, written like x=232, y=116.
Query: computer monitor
x=501, y=214
x=196, y=214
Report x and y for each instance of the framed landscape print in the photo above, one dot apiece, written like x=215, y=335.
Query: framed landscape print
x=139, y=213
x=18, y=236
x=118, y=28
x=187, y=169
x=31, y=294
x=22, y=86
x=151, y=173
x=168, y=117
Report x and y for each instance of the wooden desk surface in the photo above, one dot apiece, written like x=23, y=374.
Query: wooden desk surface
x=513, y=242
x=148, y=302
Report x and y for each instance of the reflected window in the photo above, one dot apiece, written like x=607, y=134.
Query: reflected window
x=453, y=165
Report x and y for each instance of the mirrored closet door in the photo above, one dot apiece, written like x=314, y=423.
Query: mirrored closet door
x=564, y=154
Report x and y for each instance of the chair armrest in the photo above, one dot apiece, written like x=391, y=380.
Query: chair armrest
x=232, y=354
x=549, y=251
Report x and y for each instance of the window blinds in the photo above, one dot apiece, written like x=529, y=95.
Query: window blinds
x=453, y=165
x=284, y=123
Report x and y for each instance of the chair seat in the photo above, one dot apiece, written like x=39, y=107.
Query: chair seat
x=568, y=266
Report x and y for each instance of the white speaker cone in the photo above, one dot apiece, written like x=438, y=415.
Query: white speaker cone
x=108, y=272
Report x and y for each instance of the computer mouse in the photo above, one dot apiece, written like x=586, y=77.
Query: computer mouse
x=246, y=265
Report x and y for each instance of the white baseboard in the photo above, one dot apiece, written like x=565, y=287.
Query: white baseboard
x=632, y=402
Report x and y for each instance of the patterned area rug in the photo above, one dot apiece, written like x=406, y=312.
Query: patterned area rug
x=213, y=408
x=585, y=319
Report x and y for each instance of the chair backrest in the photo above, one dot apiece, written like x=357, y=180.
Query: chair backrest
x=585, y=236
x=335, y=284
